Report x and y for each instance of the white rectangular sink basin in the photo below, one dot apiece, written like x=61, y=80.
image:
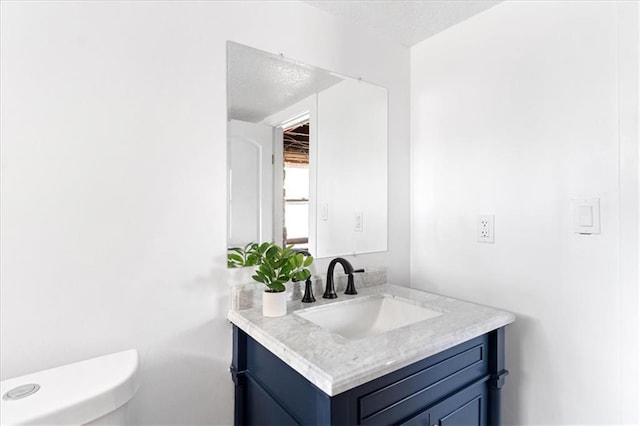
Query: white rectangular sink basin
x=367, y=317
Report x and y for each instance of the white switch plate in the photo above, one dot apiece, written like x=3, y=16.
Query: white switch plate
x=586, y=216
x=358, y=222
x=485, y=229
x=324, y=211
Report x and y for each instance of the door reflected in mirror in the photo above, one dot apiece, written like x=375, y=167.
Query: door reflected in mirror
x=307, y=156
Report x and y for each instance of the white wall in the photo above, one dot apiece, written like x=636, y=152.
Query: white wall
x=629, y=144
x=352, y=139
x=113, y=182
x=515, y=112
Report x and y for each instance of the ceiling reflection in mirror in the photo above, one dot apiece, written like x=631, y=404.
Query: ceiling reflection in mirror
x=306, y=157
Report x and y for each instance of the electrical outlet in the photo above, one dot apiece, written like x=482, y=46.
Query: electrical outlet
x=486, y=229
x=358, y=225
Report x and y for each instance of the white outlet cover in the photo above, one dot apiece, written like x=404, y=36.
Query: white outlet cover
x=485, y=228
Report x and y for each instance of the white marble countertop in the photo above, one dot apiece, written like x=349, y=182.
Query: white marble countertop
x=336, y=364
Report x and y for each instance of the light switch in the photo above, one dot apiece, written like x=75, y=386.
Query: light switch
x=586, y=216
x=324, y=211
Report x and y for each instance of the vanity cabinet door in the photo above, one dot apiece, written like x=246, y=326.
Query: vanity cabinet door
x=465, y=408
x=262, y=409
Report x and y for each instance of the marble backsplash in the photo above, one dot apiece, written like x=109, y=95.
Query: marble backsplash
x=245, y=295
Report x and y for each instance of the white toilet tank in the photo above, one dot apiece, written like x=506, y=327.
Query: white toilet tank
x=91, y=392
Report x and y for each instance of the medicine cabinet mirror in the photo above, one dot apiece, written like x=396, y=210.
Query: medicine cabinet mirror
x=306, y=156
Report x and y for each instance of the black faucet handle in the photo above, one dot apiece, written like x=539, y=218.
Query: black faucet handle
x=351, y=287
x=308, y=292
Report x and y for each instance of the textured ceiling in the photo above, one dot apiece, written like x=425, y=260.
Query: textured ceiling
x=260, y=84
x=405, y=22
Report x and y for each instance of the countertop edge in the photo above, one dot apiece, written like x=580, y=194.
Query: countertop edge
x=333, y=385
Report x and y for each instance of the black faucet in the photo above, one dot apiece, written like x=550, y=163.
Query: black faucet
x=330, y=291
x=308, y=290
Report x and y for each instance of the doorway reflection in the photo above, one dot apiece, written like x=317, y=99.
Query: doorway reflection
x=296, y=185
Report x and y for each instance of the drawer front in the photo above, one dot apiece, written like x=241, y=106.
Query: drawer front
x=415, y=392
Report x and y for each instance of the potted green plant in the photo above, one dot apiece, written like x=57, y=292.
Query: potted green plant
x=275, y=266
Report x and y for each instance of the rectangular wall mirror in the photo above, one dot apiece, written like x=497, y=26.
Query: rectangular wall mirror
x=306, y=156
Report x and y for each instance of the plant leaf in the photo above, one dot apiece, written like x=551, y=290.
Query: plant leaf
x=286, y=269
x=277, y=286
x=280, y=263
x=266, y=271
x=288, y=252
x=264, y=246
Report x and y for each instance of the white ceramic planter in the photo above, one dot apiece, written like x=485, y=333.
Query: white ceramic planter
x=274, y=304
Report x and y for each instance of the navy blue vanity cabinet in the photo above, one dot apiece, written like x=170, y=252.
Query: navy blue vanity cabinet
x=459, y=386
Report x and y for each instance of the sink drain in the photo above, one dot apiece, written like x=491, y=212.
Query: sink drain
x=21, y=392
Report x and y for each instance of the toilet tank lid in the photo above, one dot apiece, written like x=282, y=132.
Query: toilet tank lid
x=73, y=394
